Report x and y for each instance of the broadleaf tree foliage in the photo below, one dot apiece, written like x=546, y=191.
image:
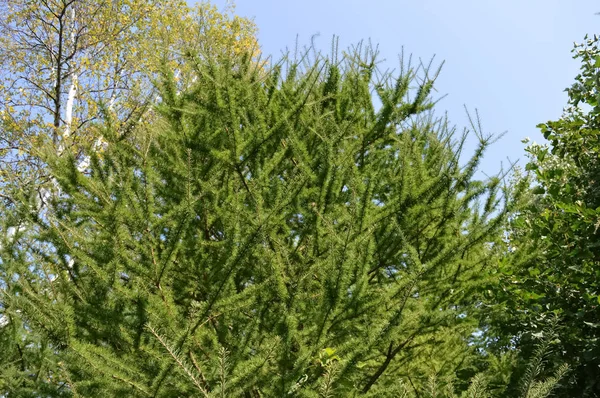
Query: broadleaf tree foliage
x=553, y=273
x=67, y=63
x=272, y=233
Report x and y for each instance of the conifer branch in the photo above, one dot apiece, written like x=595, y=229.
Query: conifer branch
x=179, y=361
x=390, y=355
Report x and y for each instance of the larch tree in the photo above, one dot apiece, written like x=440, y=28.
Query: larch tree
x=272, y=233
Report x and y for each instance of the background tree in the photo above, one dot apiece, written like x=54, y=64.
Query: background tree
x=553, y=268
x=66, y=63
x=272, y=233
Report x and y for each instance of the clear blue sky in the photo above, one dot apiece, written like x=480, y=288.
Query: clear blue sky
x=510, y=59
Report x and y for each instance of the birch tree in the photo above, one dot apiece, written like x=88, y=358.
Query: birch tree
x=67, y=63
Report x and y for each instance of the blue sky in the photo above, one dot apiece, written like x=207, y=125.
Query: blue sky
x=510, y=59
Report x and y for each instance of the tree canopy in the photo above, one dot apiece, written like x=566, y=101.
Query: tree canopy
x=553, y=272
x=273, y=220
x=68, y=63
x=179, y=217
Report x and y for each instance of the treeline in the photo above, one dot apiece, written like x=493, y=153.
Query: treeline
x=181, y=217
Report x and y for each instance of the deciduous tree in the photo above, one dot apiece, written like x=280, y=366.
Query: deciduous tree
x=552, y=270
x=66, y=63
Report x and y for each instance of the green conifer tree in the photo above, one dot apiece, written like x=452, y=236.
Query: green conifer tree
x=273, y=234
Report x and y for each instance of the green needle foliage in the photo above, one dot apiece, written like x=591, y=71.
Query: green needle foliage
x=273, y=234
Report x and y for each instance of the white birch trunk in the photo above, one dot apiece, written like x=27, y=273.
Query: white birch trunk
x=72, y=89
